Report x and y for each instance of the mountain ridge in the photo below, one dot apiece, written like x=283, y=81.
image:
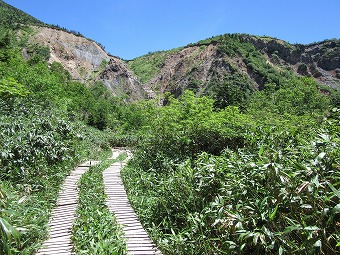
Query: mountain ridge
x=261, y=59
x=201, y=66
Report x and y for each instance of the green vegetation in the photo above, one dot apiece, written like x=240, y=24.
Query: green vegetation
x=49, y=124
x=14, y=18
x=235, y=89
x=95, y=230
x=266, y=181
x=148, y=66
x=237, y=171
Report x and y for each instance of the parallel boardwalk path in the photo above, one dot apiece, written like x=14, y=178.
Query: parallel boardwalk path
x=63, y=215
x=137, y=240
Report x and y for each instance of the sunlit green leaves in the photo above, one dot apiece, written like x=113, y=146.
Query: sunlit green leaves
x=11, y=88
x=279, y=195
x=8, y=233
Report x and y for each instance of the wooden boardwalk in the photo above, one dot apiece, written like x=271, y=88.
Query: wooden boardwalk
x=63, y=215
x=137, y=240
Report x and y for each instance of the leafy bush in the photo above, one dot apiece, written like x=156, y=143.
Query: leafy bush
x=33, y=140
x=10, y=88
x=8, y=233
x=233, y=90
x=278, y=198
x=207, y=181
x=297, y=96
x=187, y=126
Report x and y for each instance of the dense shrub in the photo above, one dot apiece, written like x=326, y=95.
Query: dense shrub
x=207, y=181
x=279, y=197
x=190, y=125
x=33, y=139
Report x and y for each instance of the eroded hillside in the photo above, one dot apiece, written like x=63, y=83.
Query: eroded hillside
x=87, y=62
x=256, y=61
x=246, y=61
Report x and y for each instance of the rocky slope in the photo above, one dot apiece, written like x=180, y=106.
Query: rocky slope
x=87, y=62
x=117, y=77
x=237, y=59
x=259, y=60
x=255, y=61
x=320, y=60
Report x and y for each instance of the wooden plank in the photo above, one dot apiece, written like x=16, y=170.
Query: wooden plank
x=58, y=247
x=63, y=215
x=138, y=241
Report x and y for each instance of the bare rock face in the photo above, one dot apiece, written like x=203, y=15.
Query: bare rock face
x=87, y=62
x=183, y=69
x=80, y=56
x=117, y=77
x=200, y=65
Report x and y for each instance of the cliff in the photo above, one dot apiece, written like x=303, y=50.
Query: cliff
x=87, y=62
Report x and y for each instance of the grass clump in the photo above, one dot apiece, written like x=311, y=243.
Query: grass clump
x=147, y=66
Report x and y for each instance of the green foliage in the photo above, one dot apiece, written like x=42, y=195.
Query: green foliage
x=10, y=88
x=8, y=233
x=38, y=148
x=95, y=230
x=277, y=196
x=189, y=125
x=207, y=181
x=57, y=69
x=233, y=90
x=297, y=96
x=38, y=52
x=148, y=66
x=52, y=85
x=14, y=18
x=6, y=38
x=33, y=140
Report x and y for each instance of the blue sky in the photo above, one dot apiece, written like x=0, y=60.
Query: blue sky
x=131, y=28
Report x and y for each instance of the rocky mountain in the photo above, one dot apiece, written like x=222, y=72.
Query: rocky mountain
x=201, y=66
x=246, y=61
x=256, y=61
x=87, y=62
x=84, y=59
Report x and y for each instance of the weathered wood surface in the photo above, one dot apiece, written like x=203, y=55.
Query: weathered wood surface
x=63, y=215
x=137, y=240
